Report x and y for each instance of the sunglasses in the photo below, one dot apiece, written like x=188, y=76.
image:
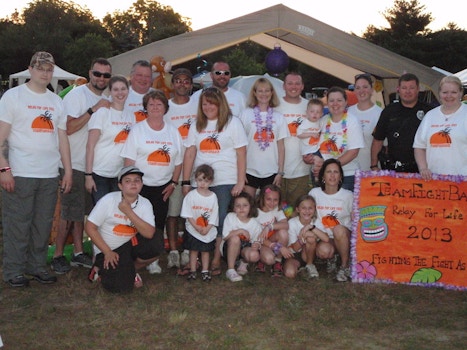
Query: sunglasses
x=98, y=74
x=222, y=72
x=182, y=81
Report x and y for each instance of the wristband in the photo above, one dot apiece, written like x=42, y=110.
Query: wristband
x=90, y=111
x=87, y=174
x=312, y=228
x=5, y=169
x=281, y=173
x=174, y=183
x=374, y=166
x=186, y=183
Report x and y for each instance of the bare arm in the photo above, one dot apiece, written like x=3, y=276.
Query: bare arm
x=110, y=257
x=6, y=178
x=348, y=156
x=75, y=124
x=144, y=228
x=64, y=148
x=281, y=156
x=93, y=137
x=188, y=161
x=241, y=170
x=420, y=158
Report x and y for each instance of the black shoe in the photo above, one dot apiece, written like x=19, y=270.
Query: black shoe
x=60, y=265
x=44, y=277
x=19, y=281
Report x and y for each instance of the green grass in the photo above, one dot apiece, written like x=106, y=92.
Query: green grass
x=258, y=313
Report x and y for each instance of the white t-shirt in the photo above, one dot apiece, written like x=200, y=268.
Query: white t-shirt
x=294, y=114
x=77, y=102
x=263, y=163
x=335, y=138
x=309, y=144
x=269, y=217
x=333, y=209
x=204, y=210
x=294, y=229
x=33, y=146
x=445, y=139
x=218, y=149
x=114, y=227
x=231, y=223
x=235, y=98
x=156, y=153
x=114, y=127
x=368, y=119
x=134, y=104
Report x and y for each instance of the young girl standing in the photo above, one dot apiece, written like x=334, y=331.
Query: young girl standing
x=240, y=236
x=303, y=238
x=201, y=211
x=274, y=236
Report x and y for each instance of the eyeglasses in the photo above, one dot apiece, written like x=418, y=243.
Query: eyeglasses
x=222, y=72
x=42, y=69
x=182, y=81
x=98, y=74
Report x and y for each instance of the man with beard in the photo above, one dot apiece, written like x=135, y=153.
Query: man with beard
x=80, y=104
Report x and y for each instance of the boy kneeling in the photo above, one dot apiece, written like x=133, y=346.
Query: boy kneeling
x=122, y=227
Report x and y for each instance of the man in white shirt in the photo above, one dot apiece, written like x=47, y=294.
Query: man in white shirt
x=140, y=85
x=80, y=103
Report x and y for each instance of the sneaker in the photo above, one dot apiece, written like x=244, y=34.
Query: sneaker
x=44, y=277
x=60, y=265
x=206, y=276
x=185, y=258
x=260, y=267
x=93, y=275
x=312, y=271
x=242, y=268
x=343, y=274
x=276, y=269
x=173, y=260
x=81, y=259
x=233, y=276
x=191, y=276
x=331, y=264
x=19, y=281
x=154, y=267
x=138, y=281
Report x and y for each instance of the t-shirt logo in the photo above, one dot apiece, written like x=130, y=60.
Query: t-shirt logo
x=441, y=138
x=293, y=126
x=43, y=123
x=210, y=144
x=140, y=115
x=184, y=128
x=203, y=220
x=330, y=220
x=122, y=135
x=124, y=230
x=160, y=157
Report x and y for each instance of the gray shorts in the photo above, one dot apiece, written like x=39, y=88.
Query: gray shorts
x=73, y=204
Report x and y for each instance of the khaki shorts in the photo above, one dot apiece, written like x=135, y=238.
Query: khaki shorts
x=73, y=205
x=175, y=202
x=292, y=189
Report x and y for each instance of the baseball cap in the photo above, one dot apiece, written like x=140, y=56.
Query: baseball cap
x=131, y=169
x=42, y=57
x=182, y=71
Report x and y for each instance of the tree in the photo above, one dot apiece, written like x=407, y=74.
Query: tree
x=408, y=36
x=144, y=22
x=47, y=25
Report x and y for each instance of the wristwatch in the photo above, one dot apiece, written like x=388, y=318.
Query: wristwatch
x=90, y=111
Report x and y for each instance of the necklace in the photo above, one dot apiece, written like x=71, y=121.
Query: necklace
x=136, y=203
x=331, y=141
x=263, y=142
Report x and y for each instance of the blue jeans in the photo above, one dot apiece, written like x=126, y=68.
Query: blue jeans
x=348, y=183
x=104, y=185
x=224, y=196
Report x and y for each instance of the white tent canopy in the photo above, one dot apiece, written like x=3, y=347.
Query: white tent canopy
x=59, y=74
x=302, y=37
x=462, y=75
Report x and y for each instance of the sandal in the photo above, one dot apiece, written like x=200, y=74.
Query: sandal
x=216, y=271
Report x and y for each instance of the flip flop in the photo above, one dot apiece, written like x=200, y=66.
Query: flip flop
x=216, y=271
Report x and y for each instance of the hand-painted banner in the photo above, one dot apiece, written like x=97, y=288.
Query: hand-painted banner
x=408, y=230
